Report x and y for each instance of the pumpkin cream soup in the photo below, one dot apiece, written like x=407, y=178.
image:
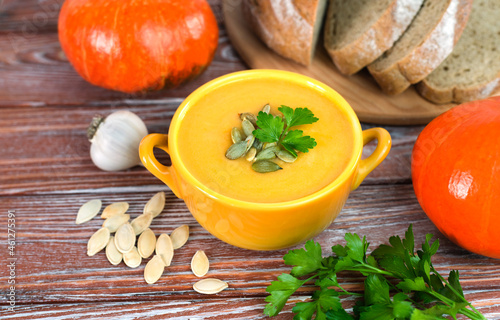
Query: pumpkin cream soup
x=205, y=135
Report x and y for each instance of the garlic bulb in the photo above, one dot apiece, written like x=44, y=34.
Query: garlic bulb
x=115, y=140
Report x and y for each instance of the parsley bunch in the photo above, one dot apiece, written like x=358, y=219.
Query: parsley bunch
x=419, y=291
x=276, y=129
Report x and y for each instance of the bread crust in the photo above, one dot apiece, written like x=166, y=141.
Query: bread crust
x=285, y=26
x=458, y=94
x=427, y=56
x=374, y=41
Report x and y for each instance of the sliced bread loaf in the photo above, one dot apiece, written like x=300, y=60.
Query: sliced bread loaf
x=358, y=31
x=425, y=44
x=289, y=27
x=472, y=70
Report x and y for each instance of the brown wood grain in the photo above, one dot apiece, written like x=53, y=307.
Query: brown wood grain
x=46, y=149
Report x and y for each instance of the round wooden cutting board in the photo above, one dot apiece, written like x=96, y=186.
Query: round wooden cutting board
x=360, y=90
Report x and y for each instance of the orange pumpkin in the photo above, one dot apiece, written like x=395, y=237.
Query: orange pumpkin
x=133, y=46
x=456, y=175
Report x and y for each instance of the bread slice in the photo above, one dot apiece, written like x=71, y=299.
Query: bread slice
x=425, y=44
x=472, y=70
x=289, y=27
x=358, y=31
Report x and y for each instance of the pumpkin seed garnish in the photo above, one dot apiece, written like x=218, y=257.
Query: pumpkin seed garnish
x=266, y=154
x=251, y=154
x=156, y=204
x=236, y=135
x=164, y=248
x=179, y=236
x=114, y=222
x=210, y=286
x=250, y=117
x=266, y=108
x=98, y=241
x=146, y=243
x=257, y=144
x=141, y=223
x=132, y=258
x=265, y=166
x=237, y=150
x=200, y=264
x=114, y=209
x=125, y=238
x=286, y=156
x=154, y=269
x=248, y=127
x=114, y=256
x=88, y=211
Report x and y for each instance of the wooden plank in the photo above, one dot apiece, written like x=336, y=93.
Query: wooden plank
x=45, y=149
x=52, y=266
x=35, y=72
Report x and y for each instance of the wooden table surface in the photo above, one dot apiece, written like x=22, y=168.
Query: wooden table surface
x=46, y=174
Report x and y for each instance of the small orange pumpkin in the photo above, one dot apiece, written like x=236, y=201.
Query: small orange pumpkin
x=456, y=175
x=133, y=46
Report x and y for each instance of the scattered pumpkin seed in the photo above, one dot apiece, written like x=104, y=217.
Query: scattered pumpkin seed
x=114, y=256
x=125, y=238
x=146, y=243
x=286, y=156
x=200, y=263
x=250, y=117
x=210, y=286
x=154, y=269
x=236, y=135
x=88, y=211
x=248, y=127
x=156, y=204
x=98, y=241
x=132, y=258
x=114, y=209
x=141, y=223
x=264, y=166
x=237, y=150
x=116, y=221
x=251, y=154
x=164, y=248
x=266, y=108
x=266, y=154
x=179, y=236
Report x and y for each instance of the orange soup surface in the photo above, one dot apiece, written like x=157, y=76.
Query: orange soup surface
x=205, y=135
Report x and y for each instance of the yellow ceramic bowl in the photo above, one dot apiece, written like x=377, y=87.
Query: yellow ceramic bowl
x=263, y=226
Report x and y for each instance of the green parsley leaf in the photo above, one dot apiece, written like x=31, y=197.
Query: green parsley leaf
x=408, y=285
x=270, y=127
x=274, y=129
x=356, y=248
x=339, y=314
x=297, y=117
x=294, y=140
x=305, y=261
x=376, y=290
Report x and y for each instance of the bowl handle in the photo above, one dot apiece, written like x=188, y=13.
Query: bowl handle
x=164, y=173
x=371, y=162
